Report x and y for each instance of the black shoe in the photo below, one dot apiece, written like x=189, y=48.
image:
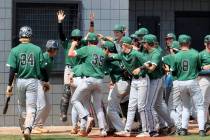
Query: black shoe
x=177, y=131
x=163, y=131
x=207, y=127
x=172, y=130
x=154, y=134
x=202, y=133
x=183, y=132
x=63, y=117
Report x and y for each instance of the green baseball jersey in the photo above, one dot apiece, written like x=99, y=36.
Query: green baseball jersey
x=94, y=60
x=48, y=61
x=77, y=70
x=170, y=61
x=186, y=65
x=155, y=57
x=72, y=61
x=27, y=59
x=131, y=61
x=115, y=71
x=204, y=57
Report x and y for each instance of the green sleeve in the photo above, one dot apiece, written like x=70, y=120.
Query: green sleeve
x=117, y=56
x=141, y=58
x=42, y=62
x=155, y=59
x=12, y=61
x=82, y=52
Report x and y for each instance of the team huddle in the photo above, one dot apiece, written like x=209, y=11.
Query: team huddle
x=125, y=77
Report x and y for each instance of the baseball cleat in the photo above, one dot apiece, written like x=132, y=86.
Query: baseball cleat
x=74, y=131
x=38, y=130
x=90, y=122
x=207, y=127
x=103, y=133
x=183, y=132
x=123, y=134
x=172, y=130
x=27, y=135
x=143, y=134
x=82, y=133
x=202, y=133
x=154, y=134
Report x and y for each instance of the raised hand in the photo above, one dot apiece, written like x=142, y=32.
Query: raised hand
x=61, y=16
x=92, y=17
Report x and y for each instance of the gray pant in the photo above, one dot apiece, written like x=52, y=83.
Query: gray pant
x=27, y=99
x=190, y=89
x=89, y=86
x=175, y=105
x=204, y=82
x=43, y=106
x=120, y=89
x=154, y=102
x=138, y=94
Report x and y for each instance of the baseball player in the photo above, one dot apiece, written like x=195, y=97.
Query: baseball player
x=186, y=69
x=204, y=79
x=115, y=72
x=43, y=103
x=25, y=60
x=169, y=38
x=133, y=60
x=174, y=103
x=140, y=34
x=154, y=100
x=94, y=73
x=135, y=42
x=119, y=31
x=75, y=81
x=69, y=62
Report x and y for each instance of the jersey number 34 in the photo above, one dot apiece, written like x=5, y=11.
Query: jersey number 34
x=27, y=59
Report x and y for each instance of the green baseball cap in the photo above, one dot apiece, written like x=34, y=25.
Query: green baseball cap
x=92, y=37
x=143, y=31
x=175, y=45
x=149, y=39
x=119, y=27
x=171, y=35
x=183, y=38
x=76, y=33
x=126, y=40
x=134, y=36
x=154, y=37
x=109, y=45
x=207, y=39
x=83, y=42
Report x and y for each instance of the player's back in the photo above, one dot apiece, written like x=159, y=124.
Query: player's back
x=28, y=58
x=94, y=62
x=186, y=64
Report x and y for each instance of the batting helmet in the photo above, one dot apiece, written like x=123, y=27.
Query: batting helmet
x=25, y=32
x=170, y=35
x=52, y=44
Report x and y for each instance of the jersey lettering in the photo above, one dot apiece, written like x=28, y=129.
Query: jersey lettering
x=97, y=60
x=185, y=65
x=27, y=59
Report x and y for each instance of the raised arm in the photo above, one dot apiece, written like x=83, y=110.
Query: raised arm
x=92, y=18
x=61, y=16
